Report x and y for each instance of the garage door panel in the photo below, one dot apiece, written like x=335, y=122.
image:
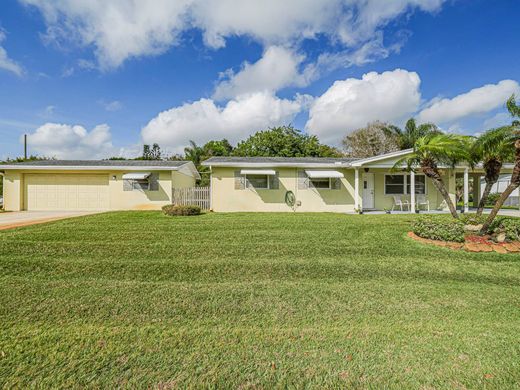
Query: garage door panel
x=66, y=192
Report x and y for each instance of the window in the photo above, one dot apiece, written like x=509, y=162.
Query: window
x=141, y=184
x=260, y=182
x=322, y=183
x=420, y=185
x=394, y=184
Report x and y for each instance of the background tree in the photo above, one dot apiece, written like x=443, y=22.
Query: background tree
x=433, y=150
x=197, y=154
x=514, y=139
x=492, y=148
x=284, y=141
x=217, y=148
x=373, y=139
x=153, y=153
x=407, y=138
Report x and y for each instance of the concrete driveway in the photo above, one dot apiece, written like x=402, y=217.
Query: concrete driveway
x=14, y=219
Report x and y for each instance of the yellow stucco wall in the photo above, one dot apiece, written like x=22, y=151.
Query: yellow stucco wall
x=15, y=189
x=139, y=200
x=226, y=198
x=383, y=201
x=180, y=180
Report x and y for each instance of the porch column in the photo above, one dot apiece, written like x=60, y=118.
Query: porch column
x=356, y=189
x=412, y=191
x=466, y=190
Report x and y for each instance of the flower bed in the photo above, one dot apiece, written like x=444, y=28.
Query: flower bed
x=503, y=236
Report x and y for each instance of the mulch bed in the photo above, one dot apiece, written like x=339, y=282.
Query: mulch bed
x=473, y=243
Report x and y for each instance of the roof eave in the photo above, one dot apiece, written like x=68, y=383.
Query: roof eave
x=275, y=165
x=88, y=168
x=368, y=160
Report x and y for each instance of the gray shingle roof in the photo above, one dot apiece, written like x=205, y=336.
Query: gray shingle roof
x=100, y=163
x=278, y=160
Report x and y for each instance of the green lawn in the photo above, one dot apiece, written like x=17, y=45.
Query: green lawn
x=138, y=299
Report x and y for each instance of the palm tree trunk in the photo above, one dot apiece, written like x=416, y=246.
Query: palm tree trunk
x=435, y=176
x=510, y=188
x=484, y=198
x=515, y=183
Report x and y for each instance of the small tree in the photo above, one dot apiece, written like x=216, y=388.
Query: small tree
x=153, y=153
x=433, y=150
x=372, y=140
x=514, y=139
x=492, y=148
x=407, y=138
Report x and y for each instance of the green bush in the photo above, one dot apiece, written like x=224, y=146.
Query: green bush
x=473, y=219
x=439, y=228
x=507, y=225
x=181, y=210
x=492, y=198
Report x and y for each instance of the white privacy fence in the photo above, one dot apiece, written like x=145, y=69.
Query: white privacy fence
x=198, y=196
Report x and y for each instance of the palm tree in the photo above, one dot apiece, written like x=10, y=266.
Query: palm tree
x=194, y=153
x=406, y=138
x=514, y=139
x=436, y=149
x=492, y=148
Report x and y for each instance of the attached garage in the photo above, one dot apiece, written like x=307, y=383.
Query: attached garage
x=94, y=185
x=66, y=191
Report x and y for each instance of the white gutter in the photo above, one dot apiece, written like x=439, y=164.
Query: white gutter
x=88, y=168
x=277, y=165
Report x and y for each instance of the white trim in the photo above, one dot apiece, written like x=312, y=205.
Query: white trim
x=87, y=168
x=315, y=174
x=380, y=157
x=136, y=176
x=268, y=172
x=356, y=189
x=275, y=165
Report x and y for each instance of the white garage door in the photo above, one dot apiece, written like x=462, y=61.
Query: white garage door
x=66, y=192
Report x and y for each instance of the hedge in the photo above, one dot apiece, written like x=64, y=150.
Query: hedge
x=181, y=210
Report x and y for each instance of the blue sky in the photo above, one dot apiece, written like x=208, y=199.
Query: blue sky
x=95, y=79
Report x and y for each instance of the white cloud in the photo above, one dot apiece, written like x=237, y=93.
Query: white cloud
x=352, y=103
x=112, y=106
x=477, y=101
x=71, y=142
x=203, y=120
x=123, y=29
x=498, y=120
x=278, y=68
x=7, y=63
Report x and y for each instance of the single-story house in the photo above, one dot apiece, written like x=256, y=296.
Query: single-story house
x=94, y=185
x=330, y=184
x=500, y=186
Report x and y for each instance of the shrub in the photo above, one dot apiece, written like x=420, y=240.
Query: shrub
x=181, y=210
x=509, y=226
x=492, y=198
x=439, y=228
x=473, y=219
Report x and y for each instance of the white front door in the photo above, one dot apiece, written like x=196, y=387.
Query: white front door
x=368, y=191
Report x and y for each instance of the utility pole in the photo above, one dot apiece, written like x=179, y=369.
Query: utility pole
x=25, y=146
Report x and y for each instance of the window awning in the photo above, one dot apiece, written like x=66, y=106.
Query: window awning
x=136, y=176
x=269, y=172
x=324, y=174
